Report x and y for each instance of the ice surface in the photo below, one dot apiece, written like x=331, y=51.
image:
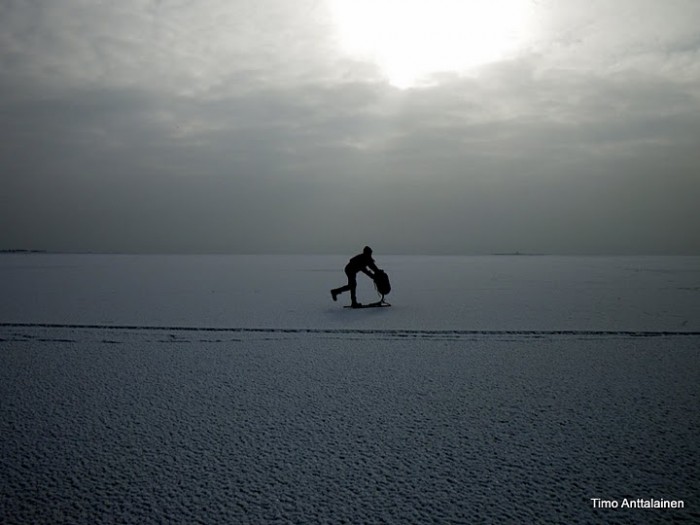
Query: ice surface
x=428, y=293
x=155, y=389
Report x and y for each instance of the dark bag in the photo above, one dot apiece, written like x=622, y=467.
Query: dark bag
x=381, y=282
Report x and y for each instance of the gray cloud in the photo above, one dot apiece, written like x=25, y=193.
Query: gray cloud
x=239, y=127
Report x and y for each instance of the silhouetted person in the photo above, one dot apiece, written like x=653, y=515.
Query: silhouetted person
x=359, y=263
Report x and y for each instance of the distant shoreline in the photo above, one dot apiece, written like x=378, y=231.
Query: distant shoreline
x=511, y=254
x=23, y=251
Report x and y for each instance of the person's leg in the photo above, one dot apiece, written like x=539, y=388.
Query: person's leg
x=350, y=287
x=335, y=292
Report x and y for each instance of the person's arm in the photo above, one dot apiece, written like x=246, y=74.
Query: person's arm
x=372, y=266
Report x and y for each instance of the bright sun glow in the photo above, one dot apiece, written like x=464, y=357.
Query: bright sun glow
x=412, y=39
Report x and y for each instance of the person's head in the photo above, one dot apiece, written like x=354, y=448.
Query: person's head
x=367, y=250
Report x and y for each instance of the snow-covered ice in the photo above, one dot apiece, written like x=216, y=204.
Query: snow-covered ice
x=429, y=293
x=231, y=389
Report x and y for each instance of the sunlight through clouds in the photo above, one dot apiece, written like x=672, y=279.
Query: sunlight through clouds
x=412, y=39
x=174, y=125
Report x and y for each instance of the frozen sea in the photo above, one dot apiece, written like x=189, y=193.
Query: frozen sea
x=232, y=389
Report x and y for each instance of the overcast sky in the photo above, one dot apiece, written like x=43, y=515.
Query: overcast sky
x=310, y=126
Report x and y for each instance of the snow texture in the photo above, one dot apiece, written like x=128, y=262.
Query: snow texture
x=155, y=389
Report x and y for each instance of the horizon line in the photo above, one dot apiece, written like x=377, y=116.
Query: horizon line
x=21, y=251
x=361, y=331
